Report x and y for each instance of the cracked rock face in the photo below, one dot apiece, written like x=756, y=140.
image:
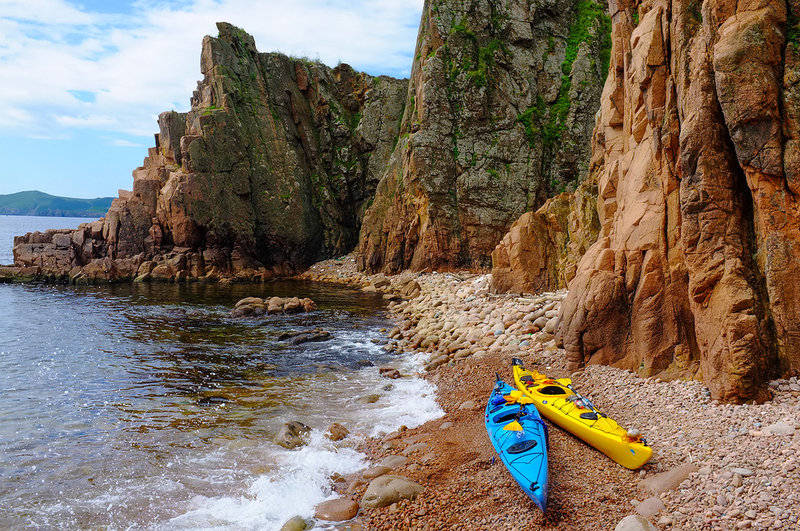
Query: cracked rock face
x=695, y=272
x=498, y=117
x=541, y=251
x=271, y=170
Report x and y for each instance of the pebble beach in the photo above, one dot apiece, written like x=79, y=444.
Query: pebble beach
x=715, y=466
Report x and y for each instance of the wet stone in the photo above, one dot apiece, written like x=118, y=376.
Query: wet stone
x=296, y=523
x=389, y=372
x=376, y=471
x=336, y=510
x=336, y=432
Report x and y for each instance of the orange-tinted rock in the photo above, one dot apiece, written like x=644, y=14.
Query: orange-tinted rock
x=696, y=270
x=525, y=260
x=336, y=432
x=542, y=248
x=336, y=510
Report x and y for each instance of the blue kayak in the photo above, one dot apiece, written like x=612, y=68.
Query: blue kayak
x=520, y=437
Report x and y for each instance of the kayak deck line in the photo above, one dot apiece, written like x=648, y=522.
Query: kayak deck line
x=557, y=400
x=519, y=437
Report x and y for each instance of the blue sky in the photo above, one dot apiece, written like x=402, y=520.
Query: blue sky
x=83, y=81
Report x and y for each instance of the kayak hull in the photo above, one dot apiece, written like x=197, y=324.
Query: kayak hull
x=523, y=452
x=557, y=403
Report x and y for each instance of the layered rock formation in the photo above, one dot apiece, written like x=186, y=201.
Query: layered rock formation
x=270, y=170
x=500, y=108
x=696, y=272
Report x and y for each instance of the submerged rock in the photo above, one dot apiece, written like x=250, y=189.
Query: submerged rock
x=389, y=372
x=297, y=338
x=212, y=400
x=369, y=399
x=336, y=432
x=292, y=435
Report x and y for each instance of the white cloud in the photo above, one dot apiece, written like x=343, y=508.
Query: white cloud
x=51, y=12
x=91, y=120
x=141, y=64
x=126, y=143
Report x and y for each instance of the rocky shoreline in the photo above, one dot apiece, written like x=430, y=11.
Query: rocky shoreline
x=715, y=465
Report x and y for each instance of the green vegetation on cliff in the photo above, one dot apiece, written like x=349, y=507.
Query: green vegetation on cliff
x=793, y=28
x=35, y=203
x=547, y=123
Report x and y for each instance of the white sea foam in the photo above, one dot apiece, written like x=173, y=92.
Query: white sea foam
x=301, y=482
x=411, y=403
x=301, y=478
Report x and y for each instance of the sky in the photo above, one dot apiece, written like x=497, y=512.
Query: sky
x=82, y=82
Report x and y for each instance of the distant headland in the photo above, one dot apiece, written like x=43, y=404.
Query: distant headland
x=35, y=203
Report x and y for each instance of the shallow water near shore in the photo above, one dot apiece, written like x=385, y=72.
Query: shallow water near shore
x=146, y=406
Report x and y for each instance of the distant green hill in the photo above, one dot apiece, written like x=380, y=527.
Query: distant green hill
x=34, y=203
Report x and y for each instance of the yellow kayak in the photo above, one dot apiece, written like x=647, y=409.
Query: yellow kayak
x=559, y=403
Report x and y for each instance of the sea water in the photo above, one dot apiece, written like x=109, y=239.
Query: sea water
x=146, y=406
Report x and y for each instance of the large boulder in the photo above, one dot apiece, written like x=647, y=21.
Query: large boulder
x=336, y=432
x=386, y=490
x=542, y=249
x=336, y=510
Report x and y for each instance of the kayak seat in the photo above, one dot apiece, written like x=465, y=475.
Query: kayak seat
x=522, y=446
x=526, y=378
x=552, y=390
x=589, y=415
x=505, y=417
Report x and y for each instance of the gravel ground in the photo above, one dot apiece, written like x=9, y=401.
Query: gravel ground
x=740, y=461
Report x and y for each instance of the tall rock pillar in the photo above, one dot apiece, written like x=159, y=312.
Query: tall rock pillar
x=696, y=269
x=499, y=113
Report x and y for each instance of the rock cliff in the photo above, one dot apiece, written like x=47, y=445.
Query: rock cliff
x=695, y=273
x=271, y=170
x=541, y=250
x=498, y=117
